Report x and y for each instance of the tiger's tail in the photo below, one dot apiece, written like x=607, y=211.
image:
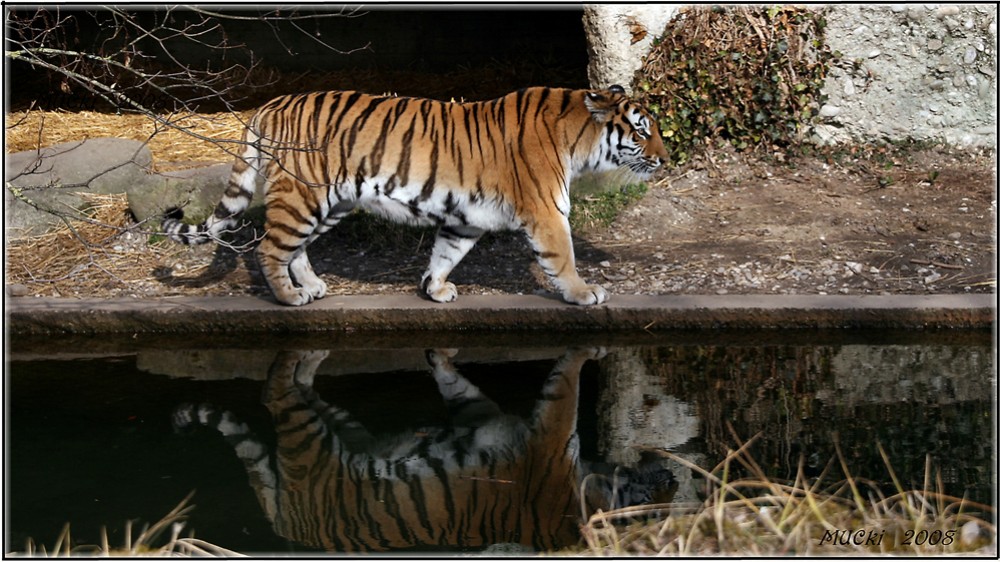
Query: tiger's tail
x=251, y=451
x=236, y=199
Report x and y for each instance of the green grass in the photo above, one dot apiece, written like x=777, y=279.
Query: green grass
x=599, y=210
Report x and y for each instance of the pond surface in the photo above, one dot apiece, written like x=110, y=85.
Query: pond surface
x=448, y=443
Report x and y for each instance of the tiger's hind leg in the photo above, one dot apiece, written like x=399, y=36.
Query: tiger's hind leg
x=289, y=226
x=292, y=222
x=289, y=389
x=450, y=246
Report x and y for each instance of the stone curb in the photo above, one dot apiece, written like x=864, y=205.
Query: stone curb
x=246, y=314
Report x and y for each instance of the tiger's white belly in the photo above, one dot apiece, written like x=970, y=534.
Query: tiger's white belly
x=446, y=205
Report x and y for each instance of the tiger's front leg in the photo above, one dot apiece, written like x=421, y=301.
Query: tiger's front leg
x=553, y=246
x=450, y=246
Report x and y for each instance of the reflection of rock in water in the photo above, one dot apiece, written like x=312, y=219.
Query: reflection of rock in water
x=902, y=373
x=915, y=400
x=485, y=479
x=635, y=413
x=226, y=364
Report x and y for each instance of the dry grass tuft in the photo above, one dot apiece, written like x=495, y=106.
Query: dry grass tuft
x=92, y=252
x=757, y=516
x=142, y=545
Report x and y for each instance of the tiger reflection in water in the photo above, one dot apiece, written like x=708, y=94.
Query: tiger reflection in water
x=488, y=478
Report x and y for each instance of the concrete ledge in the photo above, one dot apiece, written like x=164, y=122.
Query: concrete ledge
x=246, y=314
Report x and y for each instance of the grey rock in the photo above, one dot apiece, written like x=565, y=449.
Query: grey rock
x=17, y=290
x=51, y=178
x=196, y=191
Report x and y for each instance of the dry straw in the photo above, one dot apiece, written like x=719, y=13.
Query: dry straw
x=759, y=516
x=142, y=545
x=86, y=253
x=191, y=140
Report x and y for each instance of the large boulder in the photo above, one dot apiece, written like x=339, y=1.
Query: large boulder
x=51, y=178
x=196, y=191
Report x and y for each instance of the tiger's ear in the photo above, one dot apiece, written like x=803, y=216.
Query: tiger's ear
x=599, y=105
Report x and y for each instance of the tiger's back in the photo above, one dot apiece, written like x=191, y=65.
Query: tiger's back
x=465, y=167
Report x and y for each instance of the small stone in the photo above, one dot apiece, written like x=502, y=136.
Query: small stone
x=17, y=290
x=829, y=110
x=945, y=11
x=874, y=53
x=934, y=44
x=970, y=55
x=605, y=263
x=932, y=278
x=955, y=235
x=969, y=533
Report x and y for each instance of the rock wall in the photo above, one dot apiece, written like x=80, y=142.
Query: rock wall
x=909, y=72
x=920, y=72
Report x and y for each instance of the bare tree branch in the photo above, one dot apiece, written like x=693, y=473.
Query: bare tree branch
x=137, y=61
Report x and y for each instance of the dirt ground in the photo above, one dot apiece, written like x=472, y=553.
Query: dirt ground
x=852, y=221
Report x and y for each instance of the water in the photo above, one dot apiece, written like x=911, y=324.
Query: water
x=102, y=431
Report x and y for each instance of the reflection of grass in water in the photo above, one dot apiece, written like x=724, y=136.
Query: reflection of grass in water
x=757, y=516
x=144, y=543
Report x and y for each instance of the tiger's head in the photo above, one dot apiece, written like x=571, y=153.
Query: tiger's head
x=630, y=138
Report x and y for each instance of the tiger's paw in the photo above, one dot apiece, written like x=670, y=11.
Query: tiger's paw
x=303, y=274
x=316, y=287
x=294, y=297
x=440, y=358
x=445, y=292
x=586, y=295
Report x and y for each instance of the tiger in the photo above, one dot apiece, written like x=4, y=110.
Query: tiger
x=485, y=479
x=466, y=168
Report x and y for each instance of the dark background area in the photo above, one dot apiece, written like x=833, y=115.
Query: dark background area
x=436, y=51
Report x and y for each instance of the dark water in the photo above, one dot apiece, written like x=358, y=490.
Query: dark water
x=99, y=432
